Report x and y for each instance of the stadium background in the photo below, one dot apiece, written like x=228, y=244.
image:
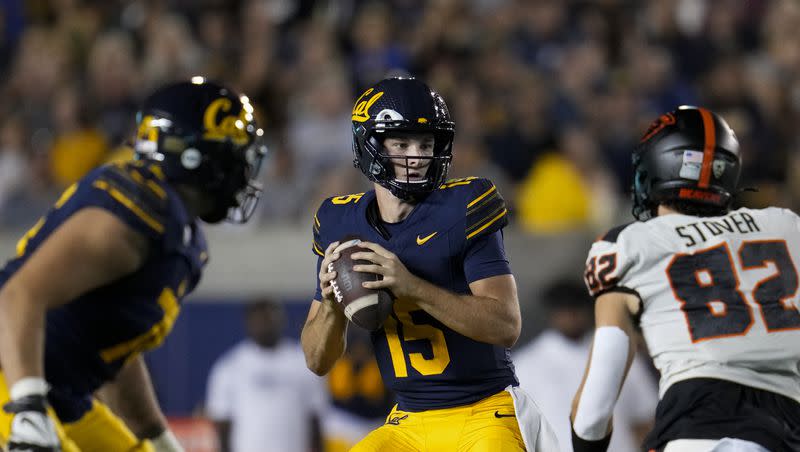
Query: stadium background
x=549, y=98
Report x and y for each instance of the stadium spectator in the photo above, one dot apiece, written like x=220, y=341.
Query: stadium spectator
x=260, y=395
x=550, y=368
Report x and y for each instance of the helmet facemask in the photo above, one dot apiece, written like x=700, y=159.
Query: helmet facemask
x=234, y=189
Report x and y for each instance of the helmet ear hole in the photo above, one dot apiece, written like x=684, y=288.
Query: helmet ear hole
x=191, y=158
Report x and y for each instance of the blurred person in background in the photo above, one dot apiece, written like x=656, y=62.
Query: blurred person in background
x=713, y=291
x=539, y=67
x=550, y=366
x=99, y=279
x=113, y=76
x=359, y=400
x=568, y=189
x=260, y=395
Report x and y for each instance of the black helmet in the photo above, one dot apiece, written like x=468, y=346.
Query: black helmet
x=401, y=104
x=689, y=156
x=204, y=135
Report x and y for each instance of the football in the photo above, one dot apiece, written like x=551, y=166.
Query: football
x=367, y=308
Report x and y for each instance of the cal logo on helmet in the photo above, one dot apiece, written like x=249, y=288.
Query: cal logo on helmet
x=228, y=126
x=361, y=109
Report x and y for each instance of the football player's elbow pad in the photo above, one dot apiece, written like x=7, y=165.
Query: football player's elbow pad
x=604, y=378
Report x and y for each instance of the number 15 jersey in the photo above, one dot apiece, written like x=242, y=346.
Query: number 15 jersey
x=451, y=239
x=719, y=294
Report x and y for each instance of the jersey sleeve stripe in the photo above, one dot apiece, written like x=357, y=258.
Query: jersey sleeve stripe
x=118, y=195
x=152, y=186
x=66, y=195
x=489, y=223
x=485, y=202
x=485, y=194
x=317, y=249
x=160, y=192
x=135, y=182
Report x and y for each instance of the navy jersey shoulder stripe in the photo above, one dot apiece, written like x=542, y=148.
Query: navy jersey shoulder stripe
x=486, y=210
x=146, y=201
x=613, y=233
x=315, y=243
x=326, y=213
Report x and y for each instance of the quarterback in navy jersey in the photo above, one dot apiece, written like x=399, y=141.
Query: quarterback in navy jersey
x=438, y=246
x=100, y=277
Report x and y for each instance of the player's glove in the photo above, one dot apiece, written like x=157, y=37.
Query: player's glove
x=32, y=429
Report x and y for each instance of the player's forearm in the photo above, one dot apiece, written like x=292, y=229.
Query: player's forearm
x=483, y=319
x=323, y=338
x=21, y=334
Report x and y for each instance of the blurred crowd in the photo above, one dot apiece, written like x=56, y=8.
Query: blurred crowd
x=549, y=96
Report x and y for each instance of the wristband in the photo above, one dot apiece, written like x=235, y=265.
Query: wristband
x=584, y=445
x=166, y=442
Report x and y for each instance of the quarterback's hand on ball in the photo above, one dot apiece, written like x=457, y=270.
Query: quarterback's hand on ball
x=326, y=276
x=32, y=429
x=396, y=277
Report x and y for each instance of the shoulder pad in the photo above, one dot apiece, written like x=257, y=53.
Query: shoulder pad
x=613, y=233
x=133, y=192
x=485, y=208
x=327, y=213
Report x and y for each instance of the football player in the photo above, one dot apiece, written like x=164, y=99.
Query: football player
x=438, y=246
x=100, y=278
x=714, y=292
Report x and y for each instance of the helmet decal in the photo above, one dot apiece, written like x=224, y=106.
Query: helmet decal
x=361, y=109
x=709, y=145
x=388, y=115
x=228, y=126
x=667, y=119
x=718, y=167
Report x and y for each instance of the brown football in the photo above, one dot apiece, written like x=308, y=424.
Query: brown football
x=367, y=308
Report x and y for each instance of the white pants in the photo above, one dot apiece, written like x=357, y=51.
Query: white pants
x=713, y=445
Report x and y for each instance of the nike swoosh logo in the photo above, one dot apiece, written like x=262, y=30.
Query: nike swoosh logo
x=497, y=414
x=421, y=240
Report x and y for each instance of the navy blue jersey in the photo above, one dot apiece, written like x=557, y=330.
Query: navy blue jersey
x=452, y=238
x=90, y=338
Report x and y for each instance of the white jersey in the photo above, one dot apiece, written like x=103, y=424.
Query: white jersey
x=719, y=294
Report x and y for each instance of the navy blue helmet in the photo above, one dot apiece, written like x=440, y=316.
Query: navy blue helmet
x=401, y=104
x=204, y=135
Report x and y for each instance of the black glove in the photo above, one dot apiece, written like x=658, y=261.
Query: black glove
x=32, y=429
